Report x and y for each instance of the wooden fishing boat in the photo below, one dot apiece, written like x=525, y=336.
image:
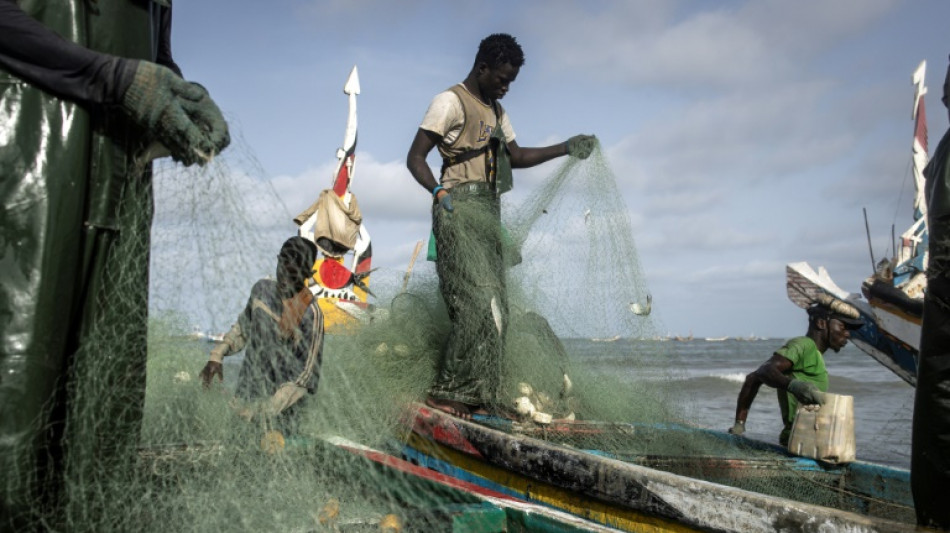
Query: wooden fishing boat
x=756, y=487
x=426, y=500
x=520, y=515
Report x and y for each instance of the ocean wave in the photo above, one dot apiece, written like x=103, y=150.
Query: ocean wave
x=734, y=377
x=697, y=379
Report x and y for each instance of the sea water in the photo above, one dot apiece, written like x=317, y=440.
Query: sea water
x=710, y=374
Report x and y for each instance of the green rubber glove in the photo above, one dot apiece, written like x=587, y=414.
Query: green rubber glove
x=738, y=428
x=445, y=201
x=179, y=114
x=581, y=146
x=806, y=392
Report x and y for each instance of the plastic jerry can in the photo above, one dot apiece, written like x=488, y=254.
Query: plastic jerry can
x=826, y=434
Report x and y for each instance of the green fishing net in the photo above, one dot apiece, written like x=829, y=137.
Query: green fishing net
x=572, y=273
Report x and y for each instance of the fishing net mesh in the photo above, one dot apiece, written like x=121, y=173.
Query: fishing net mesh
x=573, y=280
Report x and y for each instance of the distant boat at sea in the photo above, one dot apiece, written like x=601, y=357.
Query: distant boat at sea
x=716, y=339
x=198, y=334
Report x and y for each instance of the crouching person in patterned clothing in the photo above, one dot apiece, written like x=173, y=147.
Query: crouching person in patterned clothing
x=281, y=333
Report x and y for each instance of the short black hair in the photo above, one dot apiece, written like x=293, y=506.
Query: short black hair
x=298, y=252
x=498, y=49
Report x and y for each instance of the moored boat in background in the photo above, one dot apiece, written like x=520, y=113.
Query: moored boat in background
x=892, y=304
x=334, y=222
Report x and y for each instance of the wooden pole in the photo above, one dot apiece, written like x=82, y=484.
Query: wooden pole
x=415, y=253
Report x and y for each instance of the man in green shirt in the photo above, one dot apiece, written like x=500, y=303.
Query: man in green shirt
x=797, y=369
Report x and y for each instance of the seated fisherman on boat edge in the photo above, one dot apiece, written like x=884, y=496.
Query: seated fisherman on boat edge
x=281, y=332
x=797, y=369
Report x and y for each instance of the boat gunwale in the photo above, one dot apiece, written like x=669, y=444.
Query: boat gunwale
x=609, y=473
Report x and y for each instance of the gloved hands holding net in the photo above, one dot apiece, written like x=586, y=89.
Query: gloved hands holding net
x=806, y=392
x=179, y=114
x=581, y=146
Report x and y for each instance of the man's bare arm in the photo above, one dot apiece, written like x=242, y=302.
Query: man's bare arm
x=774, y=372
x=529, y=157
x=422, y=144
x=771, y=373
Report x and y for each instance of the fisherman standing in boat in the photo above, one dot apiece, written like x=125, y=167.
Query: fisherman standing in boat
x=930, y=445
x=797, y=369
x=477, y=143
x=281, y=333
x=85, y=89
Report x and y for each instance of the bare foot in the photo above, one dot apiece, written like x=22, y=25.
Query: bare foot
x=451, y=407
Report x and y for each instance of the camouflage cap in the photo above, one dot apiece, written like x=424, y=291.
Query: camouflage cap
x=833, y=308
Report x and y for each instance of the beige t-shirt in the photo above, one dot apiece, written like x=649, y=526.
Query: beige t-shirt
x=446, y=117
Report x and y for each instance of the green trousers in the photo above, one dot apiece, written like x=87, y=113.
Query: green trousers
x=472, y=281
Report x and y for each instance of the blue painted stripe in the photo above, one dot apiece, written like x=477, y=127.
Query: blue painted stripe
x=415, y=456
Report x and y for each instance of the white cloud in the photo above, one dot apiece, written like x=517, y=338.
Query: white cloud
x=386, y=190
x=672, y=44
x=741, y=137
x=690, y=236
x=733, y=273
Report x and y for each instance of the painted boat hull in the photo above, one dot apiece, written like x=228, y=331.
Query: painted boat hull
x=525, y=515
x=642, y=497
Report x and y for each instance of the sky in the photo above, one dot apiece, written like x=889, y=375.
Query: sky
x=744, y=135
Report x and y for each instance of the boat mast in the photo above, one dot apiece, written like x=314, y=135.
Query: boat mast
x=914, y=237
